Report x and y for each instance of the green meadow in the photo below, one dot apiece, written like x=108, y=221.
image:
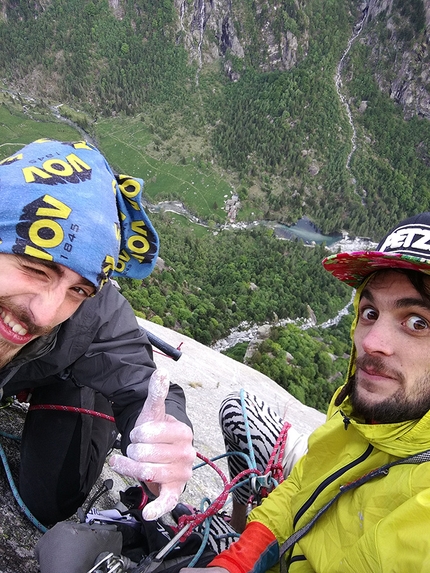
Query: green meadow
x=184, y=222
x=170, y=172
x=18, y=128
x=129, y=146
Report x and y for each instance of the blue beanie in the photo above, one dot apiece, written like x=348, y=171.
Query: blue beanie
x=61, y=202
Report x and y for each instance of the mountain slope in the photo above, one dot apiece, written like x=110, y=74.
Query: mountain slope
x=245, y=90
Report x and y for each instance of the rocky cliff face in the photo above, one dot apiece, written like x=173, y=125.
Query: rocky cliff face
x=399, y=36
x=398, y=33
x=224, y=29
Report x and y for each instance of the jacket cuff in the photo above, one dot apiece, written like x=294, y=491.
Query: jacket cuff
x=256, y=550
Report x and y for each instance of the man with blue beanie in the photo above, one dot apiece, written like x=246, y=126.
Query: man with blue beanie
x=71, y=341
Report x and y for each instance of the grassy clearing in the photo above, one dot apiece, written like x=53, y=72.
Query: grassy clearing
x=128, y=144
x=182, y=221
x=131, y=148
x=18, y=128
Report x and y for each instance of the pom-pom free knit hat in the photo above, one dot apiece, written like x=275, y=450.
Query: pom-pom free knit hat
x=61, y=202
x=406, y=246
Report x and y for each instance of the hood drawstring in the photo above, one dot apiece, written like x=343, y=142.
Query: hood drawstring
x=346, y=420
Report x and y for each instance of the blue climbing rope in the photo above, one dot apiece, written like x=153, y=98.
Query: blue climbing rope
x=13, y=487
x=253, y=463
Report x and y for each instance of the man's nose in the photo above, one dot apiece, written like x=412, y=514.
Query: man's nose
x=46, y=305
x=378, y=339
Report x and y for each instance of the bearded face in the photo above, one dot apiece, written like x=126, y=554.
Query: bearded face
x=392, y=341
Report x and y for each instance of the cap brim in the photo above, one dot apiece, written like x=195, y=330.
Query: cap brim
x=353, y=268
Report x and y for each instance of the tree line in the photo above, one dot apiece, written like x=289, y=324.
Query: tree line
x=212, y=283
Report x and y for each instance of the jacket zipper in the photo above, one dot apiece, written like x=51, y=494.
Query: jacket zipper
x=328, y=481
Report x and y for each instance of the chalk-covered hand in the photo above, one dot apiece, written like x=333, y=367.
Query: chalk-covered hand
x=161, y=453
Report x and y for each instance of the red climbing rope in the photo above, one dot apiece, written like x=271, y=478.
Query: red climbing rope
x=197, y=518
x=278, y=452
x=71, y=409
x=274, y=465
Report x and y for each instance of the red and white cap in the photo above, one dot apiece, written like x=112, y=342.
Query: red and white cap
x=406, y=246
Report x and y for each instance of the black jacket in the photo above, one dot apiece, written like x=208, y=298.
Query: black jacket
x=101, y=346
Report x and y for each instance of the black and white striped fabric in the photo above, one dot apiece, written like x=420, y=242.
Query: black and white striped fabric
x=221, y=534
x=264, y=425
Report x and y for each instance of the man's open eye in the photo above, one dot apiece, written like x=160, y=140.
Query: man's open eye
x=85, y=292
x=368, y=313
x=416, y=323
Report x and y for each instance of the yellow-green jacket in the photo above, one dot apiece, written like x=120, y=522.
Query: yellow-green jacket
x=383, y=526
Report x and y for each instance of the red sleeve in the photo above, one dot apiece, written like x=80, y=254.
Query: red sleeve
x=256, y=550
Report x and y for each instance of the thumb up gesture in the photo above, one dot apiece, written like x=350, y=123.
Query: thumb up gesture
x=161, y=453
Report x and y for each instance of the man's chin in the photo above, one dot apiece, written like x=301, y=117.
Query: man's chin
x=368, y=404
x=373, y=392
x=8, y=351
x=371, y=398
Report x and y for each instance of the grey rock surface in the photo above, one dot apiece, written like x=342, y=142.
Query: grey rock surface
x=206, y=377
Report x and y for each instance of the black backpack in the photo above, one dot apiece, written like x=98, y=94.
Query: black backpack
x=129, y=542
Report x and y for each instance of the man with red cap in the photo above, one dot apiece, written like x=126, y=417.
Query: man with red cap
x=359, y=499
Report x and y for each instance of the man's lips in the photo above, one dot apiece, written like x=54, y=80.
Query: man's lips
x=375, y=373
x=366, y=376
x=11, y=329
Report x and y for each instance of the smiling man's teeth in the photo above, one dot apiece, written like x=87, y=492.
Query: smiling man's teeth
x=15, y=326
x=19, y=330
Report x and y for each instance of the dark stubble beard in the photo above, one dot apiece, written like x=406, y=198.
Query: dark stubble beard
x=8, y=350
x=400, y=407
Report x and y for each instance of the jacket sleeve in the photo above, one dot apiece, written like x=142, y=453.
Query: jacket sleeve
x=268, y=526
x=256, y=551
x=102, y=346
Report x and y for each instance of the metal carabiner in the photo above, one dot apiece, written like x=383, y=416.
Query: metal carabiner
x=110, y=563
x=260, y=482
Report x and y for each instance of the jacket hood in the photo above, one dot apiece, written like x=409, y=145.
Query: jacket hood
x=343, y=392
x=399, y=439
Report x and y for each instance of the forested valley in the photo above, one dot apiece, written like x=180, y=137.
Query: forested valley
x=174, y=100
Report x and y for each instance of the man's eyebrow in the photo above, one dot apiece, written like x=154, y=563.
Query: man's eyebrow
x=367, y=294
x=419, y=302
x=54, y=267
x=401, y=302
